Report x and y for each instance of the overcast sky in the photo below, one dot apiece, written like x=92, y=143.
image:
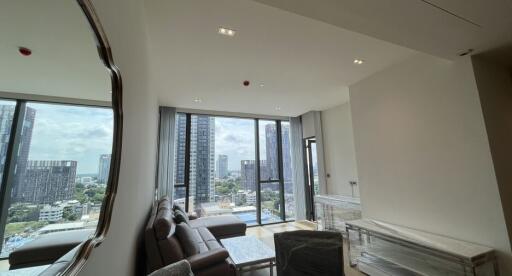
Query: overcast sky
x=63, y=132
x=235, y=138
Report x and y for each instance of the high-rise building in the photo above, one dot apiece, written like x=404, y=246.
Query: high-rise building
x=202, y=158
x=287, y=159
x=6, y=117
x=222, y=166
x=271, y=151
x=248, y=175
x=179, y=158
x=104, y=168
x=48, y=181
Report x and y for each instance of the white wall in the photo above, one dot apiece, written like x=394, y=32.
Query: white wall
x=123, y=21
x=423, y=155
x=340, y=159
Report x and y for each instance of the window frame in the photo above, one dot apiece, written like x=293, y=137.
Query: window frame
x=257, y=160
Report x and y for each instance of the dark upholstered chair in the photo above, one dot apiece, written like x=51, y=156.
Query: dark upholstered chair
x=194, y=240
x=301, y=253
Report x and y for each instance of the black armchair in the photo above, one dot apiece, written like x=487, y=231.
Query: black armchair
x=301, y=253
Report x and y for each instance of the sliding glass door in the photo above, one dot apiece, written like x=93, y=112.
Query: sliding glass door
x=239, y=166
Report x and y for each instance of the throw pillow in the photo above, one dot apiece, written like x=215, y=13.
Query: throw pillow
x=180, y=216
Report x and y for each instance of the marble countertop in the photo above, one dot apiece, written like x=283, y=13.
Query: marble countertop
x=444, y=244
x=338, y=201
x=246, y=250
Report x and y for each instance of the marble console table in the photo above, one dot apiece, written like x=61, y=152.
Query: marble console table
x=379, y=248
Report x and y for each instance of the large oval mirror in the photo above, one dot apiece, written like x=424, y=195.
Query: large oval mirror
x=60, y=127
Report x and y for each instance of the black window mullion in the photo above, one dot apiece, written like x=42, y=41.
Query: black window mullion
x=186, y=177
x=258, y=172
x=280, y=167
x=10, y=165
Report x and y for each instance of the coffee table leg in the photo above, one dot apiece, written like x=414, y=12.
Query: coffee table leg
x=271, y=268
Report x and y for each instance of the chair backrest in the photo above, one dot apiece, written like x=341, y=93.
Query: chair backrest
x=309, y=253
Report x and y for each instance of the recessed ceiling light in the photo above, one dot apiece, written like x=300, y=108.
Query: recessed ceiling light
x=358, y=61
x=227, y=32
x=197, y=100
x=278, y=108
x=262, y=85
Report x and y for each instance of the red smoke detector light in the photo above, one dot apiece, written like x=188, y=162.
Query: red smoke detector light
x=24, y=51
x=246, y=83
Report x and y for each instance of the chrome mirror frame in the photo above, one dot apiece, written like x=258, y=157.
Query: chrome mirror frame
x=105, y=53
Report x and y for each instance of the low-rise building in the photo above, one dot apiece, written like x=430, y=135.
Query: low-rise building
x=51, y=213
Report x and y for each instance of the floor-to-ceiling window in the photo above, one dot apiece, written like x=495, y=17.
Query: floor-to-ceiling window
x=240, y=166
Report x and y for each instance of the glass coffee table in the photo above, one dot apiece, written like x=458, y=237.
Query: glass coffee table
x=249, y=253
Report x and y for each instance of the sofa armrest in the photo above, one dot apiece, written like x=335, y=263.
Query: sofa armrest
x=206, y=259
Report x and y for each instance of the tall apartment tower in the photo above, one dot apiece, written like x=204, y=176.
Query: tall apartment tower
x=248, y=175
x=48, y=181
x=202, y=158
x=271, y=151
x=104, y=168
x=222, y=166
x=272, y=164
x=287, y=158
x=6, y=120
x=179, y=156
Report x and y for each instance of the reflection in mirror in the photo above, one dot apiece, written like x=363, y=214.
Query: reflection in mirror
x=57, y=133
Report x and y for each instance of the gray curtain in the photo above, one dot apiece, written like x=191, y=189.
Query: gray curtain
x=322, y=182
x=165, y=167
x=299, y=188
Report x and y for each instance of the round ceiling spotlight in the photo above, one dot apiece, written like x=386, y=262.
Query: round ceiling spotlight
x=24, y=51
x=246, y=83
x=358, y=61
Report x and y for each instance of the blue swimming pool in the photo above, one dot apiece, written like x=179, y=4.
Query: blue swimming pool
x=250, y=217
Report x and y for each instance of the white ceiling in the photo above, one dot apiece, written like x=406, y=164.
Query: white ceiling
x=439, y=27
x=64, y=60
x=304, y=64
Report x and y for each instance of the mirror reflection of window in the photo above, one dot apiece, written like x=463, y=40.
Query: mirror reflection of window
x=56, y=133
x=62, y=171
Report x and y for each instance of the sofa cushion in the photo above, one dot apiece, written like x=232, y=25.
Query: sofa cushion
x=221, y=226
x=188, y=239
x=209, y=240
x=47, y=248
x=170, y=250
x=177, y=207
x=164, y=223
x=180, y=217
